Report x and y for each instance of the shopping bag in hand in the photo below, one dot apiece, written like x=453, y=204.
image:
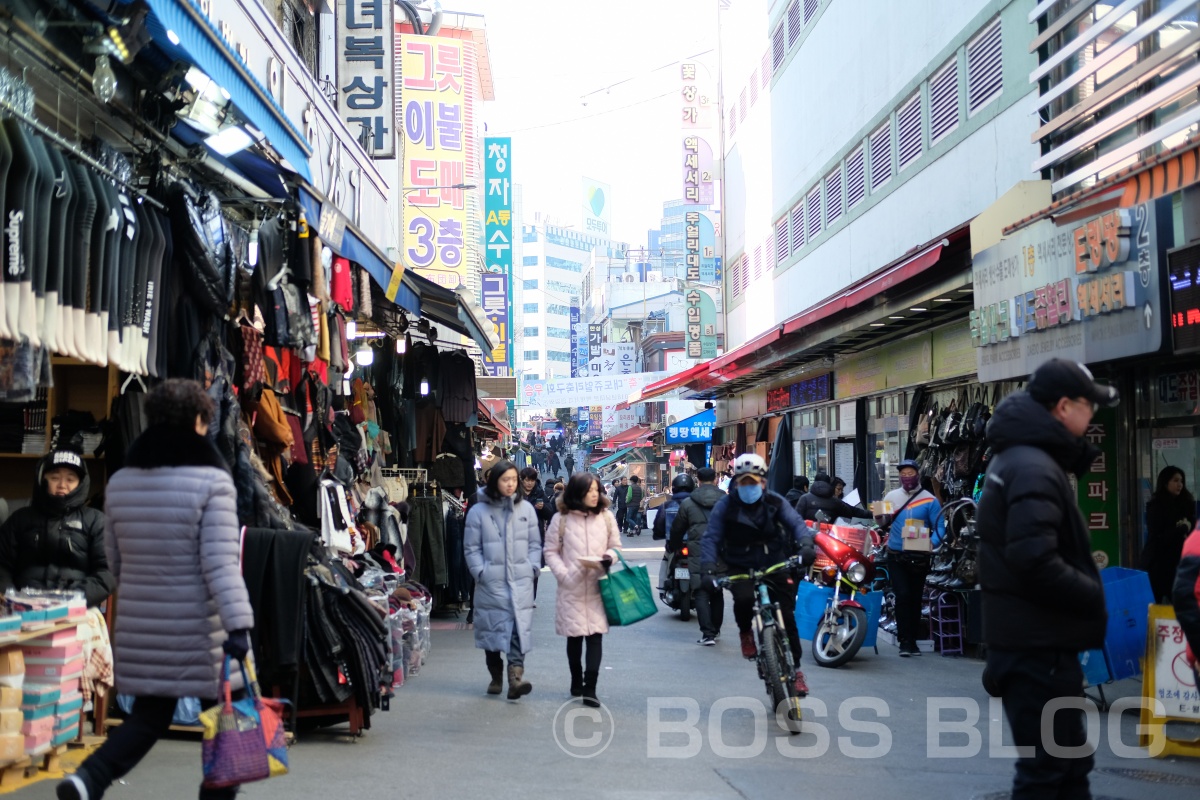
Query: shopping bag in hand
x=627, y=595
x=234, y=750
x=270, y=712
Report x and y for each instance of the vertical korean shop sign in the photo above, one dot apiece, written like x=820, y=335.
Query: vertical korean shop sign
x=494, y=288
x=497, y=229
x=366, y=72
x=574, y=337
x=697, y=96
x=435, y=213
x=1098, y=490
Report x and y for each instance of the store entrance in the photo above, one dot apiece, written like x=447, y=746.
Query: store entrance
x=1176, y=446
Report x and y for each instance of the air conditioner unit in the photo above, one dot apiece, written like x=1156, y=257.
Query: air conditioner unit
x=672, y=419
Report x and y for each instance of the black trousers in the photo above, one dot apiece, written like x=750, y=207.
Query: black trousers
x=908, y=575
x=1028, y=680
x=782, y=590
x=595, y=650
x=710, y=608
x=128, y=744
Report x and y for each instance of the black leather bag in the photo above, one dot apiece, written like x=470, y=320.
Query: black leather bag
x=202, y=248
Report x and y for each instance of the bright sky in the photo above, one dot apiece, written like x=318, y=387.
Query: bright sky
x=550, y=56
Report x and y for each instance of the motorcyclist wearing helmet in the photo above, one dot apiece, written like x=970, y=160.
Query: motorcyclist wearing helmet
x=755, y=528
x=682, y=486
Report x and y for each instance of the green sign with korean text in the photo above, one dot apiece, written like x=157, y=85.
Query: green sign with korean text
x=1098, y=490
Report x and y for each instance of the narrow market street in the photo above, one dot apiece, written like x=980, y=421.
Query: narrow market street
x=445, y=738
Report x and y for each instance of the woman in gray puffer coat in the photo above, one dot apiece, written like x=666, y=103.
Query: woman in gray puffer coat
x=503, y=550
x=173, y=543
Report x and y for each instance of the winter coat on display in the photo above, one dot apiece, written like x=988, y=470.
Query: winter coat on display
x=173, y=543
x=1187, y=595
x=692, y=520
x=56, y=543
x=820, y=498
x=571, y=535
x=198, y=234
x=1169, y=520
x=1041, y=588
x=503, y=550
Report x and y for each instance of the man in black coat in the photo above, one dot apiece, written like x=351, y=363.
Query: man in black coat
x=798, y=490
x=821, y=498
x=56, y=542
x=689, y=526
x=1043, y=600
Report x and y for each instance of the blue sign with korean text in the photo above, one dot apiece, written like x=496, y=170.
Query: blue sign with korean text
x=693, y=430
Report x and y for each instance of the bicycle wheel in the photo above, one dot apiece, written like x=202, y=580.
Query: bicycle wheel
x=776, y=672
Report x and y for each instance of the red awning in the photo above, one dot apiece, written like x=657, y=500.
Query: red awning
x=628, y=436
x=667, y=384
x=490, y=417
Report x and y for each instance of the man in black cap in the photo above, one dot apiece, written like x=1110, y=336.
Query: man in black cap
x=57, y=542
x=1043, y=600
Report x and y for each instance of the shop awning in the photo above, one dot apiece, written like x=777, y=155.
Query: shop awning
x=629, y=436
x=696, y=429
x=493, y=418
x=448, y=308
x=203, y=46
x=666, y=385
x=612, y=459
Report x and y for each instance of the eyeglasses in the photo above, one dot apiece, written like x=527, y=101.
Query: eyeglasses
x=1095, y=406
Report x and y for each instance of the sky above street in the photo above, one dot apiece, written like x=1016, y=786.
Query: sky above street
x=620, y=57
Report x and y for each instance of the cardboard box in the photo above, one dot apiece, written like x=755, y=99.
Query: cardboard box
x=36, y=745
x=10, y=623
x=60, y=653
x=65, y=636
x=54, y=673
x=38, y=727
x=37, y=712
x=11, y=721
x=9, y=697
x=12, y=748
x=39, y=694
x=64, y=736
x=69, y=703
x=12, y=661
x=64, y=722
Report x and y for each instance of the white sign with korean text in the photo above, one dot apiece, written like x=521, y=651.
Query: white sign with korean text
x=598, y=391
x=367, y=72
x=1174, y=681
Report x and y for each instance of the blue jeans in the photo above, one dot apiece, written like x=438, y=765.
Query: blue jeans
x=633, y=519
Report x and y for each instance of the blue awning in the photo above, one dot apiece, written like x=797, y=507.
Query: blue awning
x=203, y=46
x=617, y=456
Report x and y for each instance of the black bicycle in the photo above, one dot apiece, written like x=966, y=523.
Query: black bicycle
x=776, y=666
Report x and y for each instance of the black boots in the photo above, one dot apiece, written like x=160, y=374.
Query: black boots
x=589, y=689
x=496, y=668
x=576, y=680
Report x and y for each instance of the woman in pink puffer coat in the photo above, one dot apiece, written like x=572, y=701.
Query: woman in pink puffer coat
x=581, y=542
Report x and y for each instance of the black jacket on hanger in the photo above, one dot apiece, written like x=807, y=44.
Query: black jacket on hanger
x=17, y=224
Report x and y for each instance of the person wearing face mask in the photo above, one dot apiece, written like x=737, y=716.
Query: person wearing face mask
x=755, y=528
x=912, y=506
x=1043, y=599
x=57, y=542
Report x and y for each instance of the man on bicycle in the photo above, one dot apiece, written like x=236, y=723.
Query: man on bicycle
x=755, y=528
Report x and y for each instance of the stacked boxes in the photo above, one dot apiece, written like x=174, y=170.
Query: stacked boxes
x=52, y=700
x=12, y=678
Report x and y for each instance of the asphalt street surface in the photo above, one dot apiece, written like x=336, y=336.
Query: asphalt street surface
x=679, y=721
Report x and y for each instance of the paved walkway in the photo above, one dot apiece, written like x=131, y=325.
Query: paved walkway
x=681, y=721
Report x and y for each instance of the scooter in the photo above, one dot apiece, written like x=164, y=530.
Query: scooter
x=842, y=629
x=675, y=582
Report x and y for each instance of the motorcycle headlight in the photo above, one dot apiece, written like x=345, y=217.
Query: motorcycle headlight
x=856, y=572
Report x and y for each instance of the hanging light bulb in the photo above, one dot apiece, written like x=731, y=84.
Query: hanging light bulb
x=104, y=80
x=351, y=329
x=345, y=387
x=365, y=356
x=401, y=347
x=424, y=387
x=252, y=249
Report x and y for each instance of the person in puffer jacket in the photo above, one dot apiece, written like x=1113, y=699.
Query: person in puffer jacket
x=57, y=542
x=172, y=539
x=1187, y=598
x=821, y=497
x=581, y=541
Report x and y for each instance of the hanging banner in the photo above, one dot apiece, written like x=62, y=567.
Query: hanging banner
x=494, y=288
x=435, y=214
x=699, y=117
x=693, y=430
x=701, y=334
x=1098, y=490
x=699, y=174
x=602, y=391
x=595, y=340
x=497, y=228
x=574, y=338
x=616, y=358
x=366, y=70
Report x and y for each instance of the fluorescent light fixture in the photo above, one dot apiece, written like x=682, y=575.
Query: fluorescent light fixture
x=346, y=387
x=365, y=357
x=943, y=299
x=351, y=329
x=172, y=37
x=229, y=141
x=400, y=346
x=252, y=248
x=878, y=324
x=424, y=387
x=197, y=79
x=893, y=316
x=918, y=308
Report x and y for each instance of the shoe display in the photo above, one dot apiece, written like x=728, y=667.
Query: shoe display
x=707, y=641
x=801, y=684
x=749, y=649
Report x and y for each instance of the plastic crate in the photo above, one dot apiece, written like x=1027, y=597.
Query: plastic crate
x=810, y=607
x=1095, y=667
x=1127, y=597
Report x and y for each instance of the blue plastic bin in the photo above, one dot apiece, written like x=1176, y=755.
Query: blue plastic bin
x=1095, y=667
x=1127, y=597
x=810, y=607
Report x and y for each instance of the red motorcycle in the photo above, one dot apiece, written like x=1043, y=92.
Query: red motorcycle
x=843, y=627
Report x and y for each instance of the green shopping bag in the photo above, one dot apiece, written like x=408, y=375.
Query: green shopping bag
x=627, y=595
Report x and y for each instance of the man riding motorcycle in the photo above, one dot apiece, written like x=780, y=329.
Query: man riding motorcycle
x=688, y=528
x=755, y=528
x=682, y=487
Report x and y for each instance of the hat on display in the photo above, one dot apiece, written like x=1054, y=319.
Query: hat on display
x=1059, y=378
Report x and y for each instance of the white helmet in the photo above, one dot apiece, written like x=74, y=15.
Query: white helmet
x=749, y=464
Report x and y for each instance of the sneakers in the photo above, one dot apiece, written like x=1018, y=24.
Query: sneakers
x=909, y=649
x=801, y=684
x=749, y=649
x=72, y=787
x=707, y=641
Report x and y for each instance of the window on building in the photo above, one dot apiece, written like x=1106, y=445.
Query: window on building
x=743, y=105
x=558, y=308
x=856, y=188
x=531, y=332
x=778, y=50
x=532, y=283
x=533, y=355
x=781, y=239
x=943, y=101
x=833, y=196
x=794, y=22
x=562, y=263
x=558, y=333
x=810, y=9
x=766, y=68
x=908, y=131
x=985, y=68
x=757, y=262
x=881, y=155
x=798, y=238
x=558, y=355
x=530, y=308
x=530, y=261
x=812, y=208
